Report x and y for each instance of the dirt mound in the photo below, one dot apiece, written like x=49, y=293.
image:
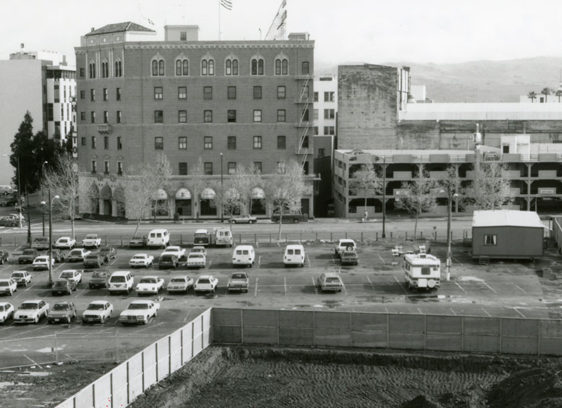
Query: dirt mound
x=420, y=401
x=530, y=388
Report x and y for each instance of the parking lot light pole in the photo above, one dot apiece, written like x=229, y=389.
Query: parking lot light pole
x=50, y=262
x=42, y=212
x=222, y=191
x=449, y=213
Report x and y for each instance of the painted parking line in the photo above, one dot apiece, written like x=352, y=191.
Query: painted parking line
x=519, y=312
x=256, y=288
x=285, y=284
x=33, y=361
x=24, y=333
x=452, y=311
x=400, y=284
x=314, y=285
x=489, y=287
x=370, y=283
x=487, y=313
x=308, y=261
x=381, y=258
x=460, y=287
x=519, y=287
x=259, y=261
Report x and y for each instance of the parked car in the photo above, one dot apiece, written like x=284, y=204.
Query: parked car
x=137, y=242
x=77, y=255
x=149, y=285
x=205, y=283
x=72, y=275
x=141, y=260
x=109, y=253
x=98, y=311
x=158, y=238
x=65, y=243
x=349, y=257
x=22, y=278
x=40, y=243
x=196, y=260
x=243, y=255
x=31, y=311
x=290, y=218
x=62, y=312
x=139, y=312
x=91, y=241
x=8, y=286
x=174, y=250
x=238, y=282
x=198, y=249
x=3, y=256
x=41, y=263
x=179, y=284
x=120, y=281
x=58, y=255
x=6, y=311
x=27, y=256
x=294, y=255
x=243, y=219
x=344, y=244
x=63, y=287
x=330, y=282
x=98, y=279
x=14, y=256
x=93, y=260
x=168, y=261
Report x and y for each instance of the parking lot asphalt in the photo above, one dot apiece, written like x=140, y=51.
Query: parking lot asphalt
x=375, y=285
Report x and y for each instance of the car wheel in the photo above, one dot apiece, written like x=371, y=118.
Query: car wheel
x=36, y=320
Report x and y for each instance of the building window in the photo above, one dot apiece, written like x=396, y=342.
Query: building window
x=231, y=142
x=281, y=142
x=305, y=167
x=329, y=113
x=82, y=94
x=328, y=96
x=182, y=168
x=257, y=115
x=315, y=130
x=208, y=142
x=208, y=116
x=157, y=67
x=231, y=115
x=93, y=141
x=82, y=115
x=119, y=144
x=105, y=117
x=231, y=66
x=118, y=116
x=257, y=142
x=106, y=142
x=329, y=130
x=182, y=116
x=208, y=168
x=81, y=73
x=281, y=92
x=305, y=70
x=158, y=143
x=281, y=115
x=207, y=67
x=281, y=167
x=281, y=66
x=158, y=116
x=231, y=166
x=120, y=168
x=158, y=93
x=105, y=94
x=314, y=114
x=83, y=140
x=182, y=143
x=118, y=72
x=321, y=152
x=117, y=94
x=208, y=93
x=490, y=239
x=50, y=111
x=257, y=66
x=92, y=95
x=231, y=92
x=94, y=166
x=106, y=167
x=257, y=92
x=258, y=167
x=183, y=36
x=182, y=67
x=182, y=92
x=92, y=117
x=105, y=69
x=304, y=143
x=56, y=93
x=305, y=115
x=92, y=70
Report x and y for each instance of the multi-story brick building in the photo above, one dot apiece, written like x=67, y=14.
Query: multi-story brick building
x=209, y=104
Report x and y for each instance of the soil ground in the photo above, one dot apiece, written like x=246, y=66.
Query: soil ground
x=272, y=377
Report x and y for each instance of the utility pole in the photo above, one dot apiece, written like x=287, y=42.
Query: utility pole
x=50, y=241
x=384, y=197
x=222, y=191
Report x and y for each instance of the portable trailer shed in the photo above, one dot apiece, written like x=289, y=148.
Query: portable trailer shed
x=506, y=234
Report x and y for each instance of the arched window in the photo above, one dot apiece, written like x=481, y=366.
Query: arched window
x=157, y=66
x=182, y=67
x=235, y=67
x=185, y=67
x=277, y=66
x=281, y=66
x=207, y=66
x=154, y=67
x=211, y=67
x=257, y=66
x=118, y=71
x=231, y=66
x=161, y=68
x=178, y=67
x=204, y=67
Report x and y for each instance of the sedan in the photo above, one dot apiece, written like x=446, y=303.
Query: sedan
x=62, y=287
x=139, y=312
x=41, y=263
x=196, y=260
x=205, y=283
x=150, y=285
x=179, y=284
x=62, y=312
x=137, y=242
x=168, y=261
x=141, y=260
x=8, y=286
x=98, y=311
x=31, y=311
x=238, y=282
x=72, y=275
x=77, y=255
x=65, y=243
x=22, y=278
x=243, y=219
x=93, y=260
x=3, y=256
x=27, y=256
x=109, y=253
x=6, y=311
x=98, y=279
x=198, y=249
x=40, y=243
x=174, y=250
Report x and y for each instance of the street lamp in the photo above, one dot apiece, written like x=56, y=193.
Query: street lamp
x=42, y=212
x=450, y=197
x=222, y=191
x=50, y=207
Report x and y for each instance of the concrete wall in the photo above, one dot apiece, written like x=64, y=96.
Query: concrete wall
x=396, y=331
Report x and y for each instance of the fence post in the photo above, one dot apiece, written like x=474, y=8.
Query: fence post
x=346, y=234
x=421, y=234
x=331, y=239
x=316, y=237
x=181, y=347
x=270, y=237
x=255, y=239
x=156, y=361
x=55, y=349
x=435, y=235
x=93, y=394
x=142, y=370
x=169, y=355
x=111, y=388
x=192, y=338
x=361, y=236
x=181, y=239
x=128, y=383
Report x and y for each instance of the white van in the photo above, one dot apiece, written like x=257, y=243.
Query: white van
x=243, y=255
x=158, y=238
x=223, y=237
x=294, y=255
x=120, y=281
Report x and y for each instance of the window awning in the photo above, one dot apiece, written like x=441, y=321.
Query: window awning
x=208, y=194
x=231, y=194
x=160, y=195
x=183, y=194
x=258, y=193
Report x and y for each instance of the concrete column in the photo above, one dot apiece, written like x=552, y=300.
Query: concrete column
x=100, y=205
x=114, y=208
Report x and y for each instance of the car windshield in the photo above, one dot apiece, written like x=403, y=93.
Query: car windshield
x=18, y=275
x=138, y=306
x=59, y=284
x=40, y=239
x=92, y=256
x=62, y=240
x=118, y=279
x=148, y=280
x=99, y=275
x=91, y=236
x=61, y=306
x=66, y=275
x=332, y=280
x=29, y=306
x=4, y=283
x=238, y=276
x=203, y=280
x=139, y=257
x=177, y=280
x=167, y=257
x=196, y=256
x=105, y=249
x=41, y=259
x=95, y=306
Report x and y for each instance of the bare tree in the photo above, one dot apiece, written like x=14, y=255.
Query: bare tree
x=244, y=182
x=149, y=177
x=364, y=182
x=490, y=188
x=286, y=188
x=62, y=179
x=199, y=183
x=418, y=196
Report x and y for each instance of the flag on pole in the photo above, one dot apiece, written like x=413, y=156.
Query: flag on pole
x=227, y=4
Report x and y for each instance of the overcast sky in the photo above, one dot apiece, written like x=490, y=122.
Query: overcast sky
x=373, y=31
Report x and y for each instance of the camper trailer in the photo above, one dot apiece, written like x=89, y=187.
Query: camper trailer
x=422, y=271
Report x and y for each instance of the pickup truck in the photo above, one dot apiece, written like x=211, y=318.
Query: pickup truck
x=91, y=241
x=139, y=311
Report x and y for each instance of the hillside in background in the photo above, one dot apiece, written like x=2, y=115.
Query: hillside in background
x=482, y=81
